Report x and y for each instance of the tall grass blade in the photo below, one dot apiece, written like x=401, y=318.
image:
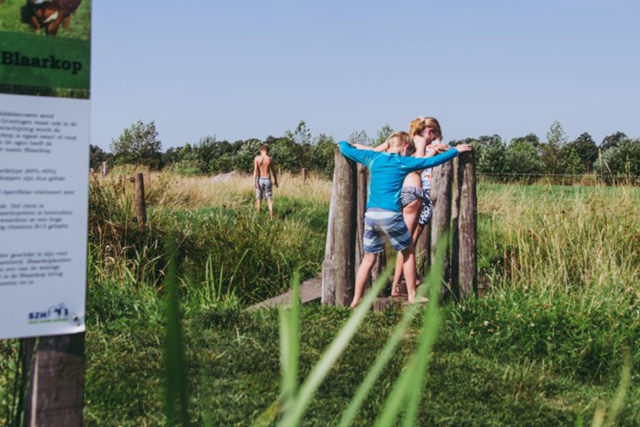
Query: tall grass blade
x=338, y=345
x=386, y=353
x=411, y=380
x=290, y=345
x=625, y=381
x=176, y=377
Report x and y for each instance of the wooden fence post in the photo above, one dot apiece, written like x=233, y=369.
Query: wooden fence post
x=455, y=231
x=104, y=169
x=141, y=207
x=441, y=198
x=468, y=234
x=361, y=207
x=304, y=175
x=55, y=375
x=344, y=228
x=327, y=295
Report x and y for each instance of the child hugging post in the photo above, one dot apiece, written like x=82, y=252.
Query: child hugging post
x=387, y=171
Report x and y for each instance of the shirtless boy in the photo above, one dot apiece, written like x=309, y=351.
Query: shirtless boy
x=262, y=169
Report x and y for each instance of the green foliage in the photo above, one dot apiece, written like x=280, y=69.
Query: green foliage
x=521, y=157
x=96, y=156
x=621, y=162
x=490, y=153
x=286, y=153
x=360, y=137
x=138, y=145
x=586, y=149
x=301, y=135
x=382, y=135
x=551, y=150
x=613, y=140
x=323, y=155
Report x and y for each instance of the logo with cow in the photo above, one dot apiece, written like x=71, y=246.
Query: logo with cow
x=55, y=313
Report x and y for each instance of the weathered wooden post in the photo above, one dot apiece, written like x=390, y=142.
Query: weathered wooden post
x=467, y=226
x=440, y=223
x=141, y=207
x=104, y=169
x=303, y=172
x=361, y=208
x=55, y=376
x=423, y=255
x=455, y=231
x=328, y=289
x=345, y=228
x=343, y=234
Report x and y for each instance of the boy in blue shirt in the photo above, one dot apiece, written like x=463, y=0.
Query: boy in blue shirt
x=387, y=171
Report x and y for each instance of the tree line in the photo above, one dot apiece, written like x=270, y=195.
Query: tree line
x=527, y=157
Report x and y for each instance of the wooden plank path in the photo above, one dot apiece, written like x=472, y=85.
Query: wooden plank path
x=309, y=291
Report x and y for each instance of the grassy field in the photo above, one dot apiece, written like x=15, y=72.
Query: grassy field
x=546, y=346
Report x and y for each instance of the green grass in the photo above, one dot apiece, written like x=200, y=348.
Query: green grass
x=233, y=363
x=545, y=346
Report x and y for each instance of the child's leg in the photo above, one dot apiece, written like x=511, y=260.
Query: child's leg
x=409, y=270
x=410, y=215
x=364, y=271
x=270, y=205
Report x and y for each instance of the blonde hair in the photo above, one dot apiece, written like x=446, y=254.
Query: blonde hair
x=421, y=123
x=400, y=139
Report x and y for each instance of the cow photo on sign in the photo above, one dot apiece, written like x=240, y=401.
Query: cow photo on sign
x=49, y=14
x=69, y=19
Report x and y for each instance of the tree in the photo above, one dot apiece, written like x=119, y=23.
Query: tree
x=550, y=151
x=138, y=145
x=96, y=156
x=621, y=160
x=522, y=158
x=531, y=139
x=490, y=153
x=323, y=155
x=301, y=135
x=613, y=140
x=359, y=137
x=586, y=150
x=248, y=151
x=384, y=133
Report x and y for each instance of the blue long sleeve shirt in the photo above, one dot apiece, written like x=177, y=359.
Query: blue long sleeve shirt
x=387, y=172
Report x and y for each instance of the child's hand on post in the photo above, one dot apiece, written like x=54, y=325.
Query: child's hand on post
x=440, y=148
x=464, y=148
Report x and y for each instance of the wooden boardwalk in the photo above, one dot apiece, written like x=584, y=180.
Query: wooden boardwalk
x=309, y=291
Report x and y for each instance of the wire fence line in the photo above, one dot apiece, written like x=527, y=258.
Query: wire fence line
x=625, y=176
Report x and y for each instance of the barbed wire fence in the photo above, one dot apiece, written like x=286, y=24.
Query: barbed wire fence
x=561, y=178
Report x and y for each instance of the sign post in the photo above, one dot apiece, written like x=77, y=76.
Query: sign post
x=45, y=51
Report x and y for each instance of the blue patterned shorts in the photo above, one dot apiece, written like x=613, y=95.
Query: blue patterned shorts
x=427, y=210
x=389, y=223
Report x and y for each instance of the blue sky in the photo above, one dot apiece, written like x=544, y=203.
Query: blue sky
x=255, y=68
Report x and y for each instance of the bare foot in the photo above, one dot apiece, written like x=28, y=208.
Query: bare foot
x=396, y=291
x=418, y=300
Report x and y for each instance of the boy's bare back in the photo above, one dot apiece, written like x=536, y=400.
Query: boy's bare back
x=263, y=164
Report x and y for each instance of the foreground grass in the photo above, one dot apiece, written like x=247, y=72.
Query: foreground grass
x=480, y=375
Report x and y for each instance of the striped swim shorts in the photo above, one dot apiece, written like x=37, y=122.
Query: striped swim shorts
x=389, y=223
